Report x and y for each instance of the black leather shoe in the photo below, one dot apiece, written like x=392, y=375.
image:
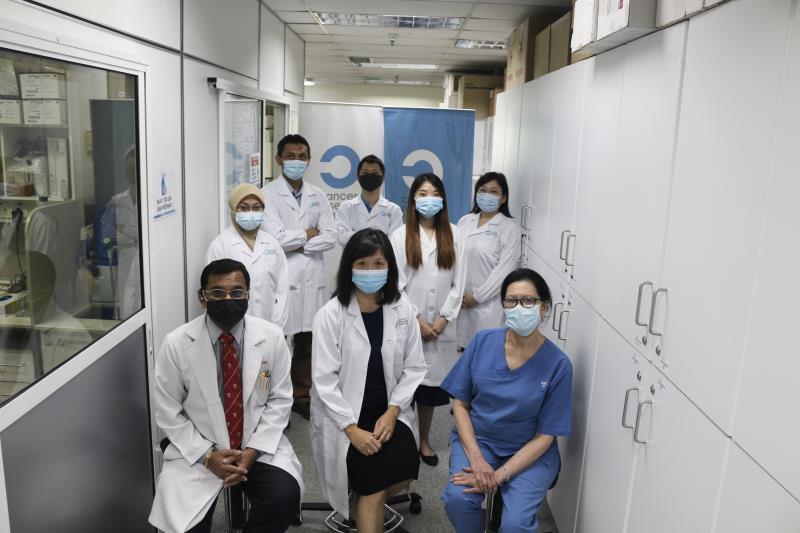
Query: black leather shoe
x=430, y=460
x=302, y=408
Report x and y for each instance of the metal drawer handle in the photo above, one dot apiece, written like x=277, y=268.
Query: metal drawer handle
x=556, y=313
x=561, y=251
x=653, y=312
x=638, y=419
x=625, y=406
x=561, y=323
x=572, y=238
x=639, y=302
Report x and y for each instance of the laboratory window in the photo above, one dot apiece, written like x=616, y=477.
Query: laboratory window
x=70, y=212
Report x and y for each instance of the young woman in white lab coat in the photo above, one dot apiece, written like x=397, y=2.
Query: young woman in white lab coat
x=367, y=363
x=258, y=251
x=430, y=258
x=491, y=252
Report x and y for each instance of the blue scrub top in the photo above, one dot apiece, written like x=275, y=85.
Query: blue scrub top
x=509, y=407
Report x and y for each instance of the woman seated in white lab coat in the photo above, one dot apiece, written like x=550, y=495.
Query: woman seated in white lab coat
x=258, y=251
x=491, y=252
x=430, y=258
x=367, y=362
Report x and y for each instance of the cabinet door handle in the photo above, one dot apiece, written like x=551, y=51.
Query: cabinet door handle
x=625, y=406
x=561, y=323
x=653, y=312
x=561, y=253
x=556, y=313
x=638, y=420
x=639, y=302
x=572, y=238
x=526, y=217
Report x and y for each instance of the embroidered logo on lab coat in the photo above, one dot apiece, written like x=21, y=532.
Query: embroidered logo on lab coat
x=270, y=252
x=401, y=322
x=314, y=204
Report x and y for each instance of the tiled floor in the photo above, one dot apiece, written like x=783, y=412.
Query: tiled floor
x=430, y=484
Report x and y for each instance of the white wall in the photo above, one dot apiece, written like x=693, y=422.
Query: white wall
x=223, y=33
x=384, y=95
x=272, y=51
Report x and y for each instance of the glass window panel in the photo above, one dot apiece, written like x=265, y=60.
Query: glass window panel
x=70, y=261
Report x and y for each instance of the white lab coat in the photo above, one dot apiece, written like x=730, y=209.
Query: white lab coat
x=190, y=412
x=340, y=355
x=491, y=252
x=434, y=292
x=269, y=272
x=353, y=216
x=288, y=222
x=121, y=222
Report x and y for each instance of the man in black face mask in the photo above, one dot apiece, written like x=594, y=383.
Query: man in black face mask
x=222, y=398
x=370, y=209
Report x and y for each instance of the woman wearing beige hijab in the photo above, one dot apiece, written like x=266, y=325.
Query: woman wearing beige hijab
x=258, y=251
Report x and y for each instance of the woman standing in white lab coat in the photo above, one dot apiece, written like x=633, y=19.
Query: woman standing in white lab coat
x=258, y=251
x=430, y=258
x=491, y=251
x=367, y=362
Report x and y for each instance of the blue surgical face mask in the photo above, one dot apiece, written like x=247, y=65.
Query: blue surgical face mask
x=249, y=220
x=522, y=320
x=428, y=206
x=488, y=203
x=370, y=281
x=294, y=169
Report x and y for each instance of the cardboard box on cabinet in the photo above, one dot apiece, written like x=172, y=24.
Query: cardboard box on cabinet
x=541, y=53
x=669, y=11
x=625, y=20
x=521, y=46
x=584, y=23
x=559, y=42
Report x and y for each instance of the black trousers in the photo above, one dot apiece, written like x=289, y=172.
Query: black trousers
x=274, y=501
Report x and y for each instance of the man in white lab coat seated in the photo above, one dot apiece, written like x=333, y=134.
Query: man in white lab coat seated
x=260, y=252
x=299, y=215
x=370, y=209
x=222, y=398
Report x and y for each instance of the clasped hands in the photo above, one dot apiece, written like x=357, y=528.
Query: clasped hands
x=431, y=332
x=231, y=466
x=479, y=478
x=370, y=443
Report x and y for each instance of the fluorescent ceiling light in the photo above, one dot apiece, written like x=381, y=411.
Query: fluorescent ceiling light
x=373, y=81
x=308, y=82
x=482, y=45
x=390, y=21
x=403, y=66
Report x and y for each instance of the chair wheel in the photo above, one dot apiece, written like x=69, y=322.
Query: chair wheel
x=415, y=507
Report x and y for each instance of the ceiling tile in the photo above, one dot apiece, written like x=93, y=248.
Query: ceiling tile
x=303, y=29
x=496, y=25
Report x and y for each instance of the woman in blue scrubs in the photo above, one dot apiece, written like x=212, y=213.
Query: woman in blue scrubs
x=513, y=395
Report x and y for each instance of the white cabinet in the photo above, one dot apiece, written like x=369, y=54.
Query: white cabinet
x=725, y=140
x=539, y=124
x=599, y=141
x=678, y=476
x=513, y=119
x=619, y=377
x=520, y=192
x=578, y=325
x=640, y=185
x=765, y=424
x=499, y=132
x=753, y=501
x=566, y=91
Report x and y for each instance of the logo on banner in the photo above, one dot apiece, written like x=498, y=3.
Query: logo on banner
x=349, y=178
x=410, y=163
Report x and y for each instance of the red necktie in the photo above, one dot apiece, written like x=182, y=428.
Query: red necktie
x=232, y=390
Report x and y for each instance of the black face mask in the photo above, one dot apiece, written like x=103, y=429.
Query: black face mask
x=226, y=313
x=370, y=182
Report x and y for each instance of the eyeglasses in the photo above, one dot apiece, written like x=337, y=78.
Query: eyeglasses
x=220, y=294
x=510, y=303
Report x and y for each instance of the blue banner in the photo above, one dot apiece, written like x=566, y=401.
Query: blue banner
x=430, y=140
